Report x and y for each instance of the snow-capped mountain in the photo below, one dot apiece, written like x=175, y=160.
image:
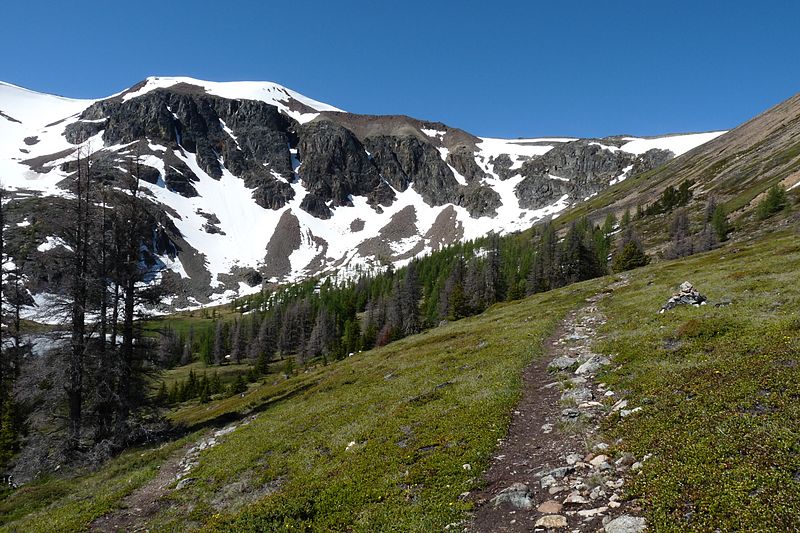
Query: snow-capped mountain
x=260, y=184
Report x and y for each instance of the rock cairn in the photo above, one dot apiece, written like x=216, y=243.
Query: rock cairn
x=686, y=295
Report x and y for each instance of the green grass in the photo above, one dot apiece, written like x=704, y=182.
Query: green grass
x=227, y=373
x=59, y=504
x=418, y=410
x=720, y=388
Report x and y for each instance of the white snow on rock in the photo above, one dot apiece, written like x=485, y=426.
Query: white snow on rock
x=32, y=126
x=677, y=144
x=264, y=91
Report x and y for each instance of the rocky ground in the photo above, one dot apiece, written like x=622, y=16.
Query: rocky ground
x=554, y=471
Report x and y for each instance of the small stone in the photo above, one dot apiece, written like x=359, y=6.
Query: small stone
x=600, y=447
x=547, y=428
x=578, y=395
x=609, y=393
x=614, y=505
x=466, y=466
x=622, y=404
x=597, y=492
x=627, y=412
x=547, y=481
x=626, y=460
x=184, y=483
x=549, y=507
x=626, y=524
x=555, y=489
x=636, y=466
x=575, y=498
x=553, y=521
x=589, y=513
x=598, y=460
x=573, y=458
x=570, y=413
x=592, y=365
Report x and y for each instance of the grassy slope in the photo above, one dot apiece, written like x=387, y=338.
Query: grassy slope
x=418, y=410
x=719, y=388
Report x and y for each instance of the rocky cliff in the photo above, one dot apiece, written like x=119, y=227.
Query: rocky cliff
x=255, y=183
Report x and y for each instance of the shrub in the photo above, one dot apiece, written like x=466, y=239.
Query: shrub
x=774, y=202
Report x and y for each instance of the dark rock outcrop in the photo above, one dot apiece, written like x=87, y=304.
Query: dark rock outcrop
x=479, y=200
x=251, y=138
x=502, y=166
x=578, y=169
x=650, y=159
x=462, y=159
x=334, y=164
x=403, y=160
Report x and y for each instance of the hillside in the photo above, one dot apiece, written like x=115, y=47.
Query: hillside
x=379, y=441
x=251, y=184
x=426, y=396
x=736, y=167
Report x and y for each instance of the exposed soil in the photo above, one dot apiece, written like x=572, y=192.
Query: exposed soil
x=546, y=428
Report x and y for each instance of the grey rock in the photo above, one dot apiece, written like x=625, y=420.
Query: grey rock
x=462, y=159
x=686, y=295
x=185, y=482
x=575, y=498
x=592, y=365
x=627, y=412
x=502, y=166
x=573, y=458
x=578, y=395
x=517, y=495
x=561, y=471
x=547, y=481
x=562, y=362
x=626, y=524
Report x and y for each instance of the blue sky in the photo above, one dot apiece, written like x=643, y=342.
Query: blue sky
x=510, y=69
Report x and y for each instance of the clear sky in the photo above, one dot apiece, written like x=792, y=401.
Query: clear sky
x=512, y=69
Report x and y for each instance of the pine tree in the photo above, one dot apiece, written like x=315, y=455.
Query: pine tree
x=774, y=202
x=681, y=241
x=322, y=336
x=719, y=223
x=630, y=253
x=219, y=346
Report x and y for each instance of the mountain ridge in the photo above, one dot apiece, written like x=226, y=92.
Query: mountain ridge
x=229, y=163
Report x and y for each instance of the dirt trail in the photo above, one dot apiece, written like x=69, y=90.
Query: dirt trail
x=551, y=472
x=142, y=504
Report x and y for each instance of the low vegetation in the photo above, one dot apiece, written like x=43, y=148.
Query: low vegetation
x=380, y=440
x=719, y=387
